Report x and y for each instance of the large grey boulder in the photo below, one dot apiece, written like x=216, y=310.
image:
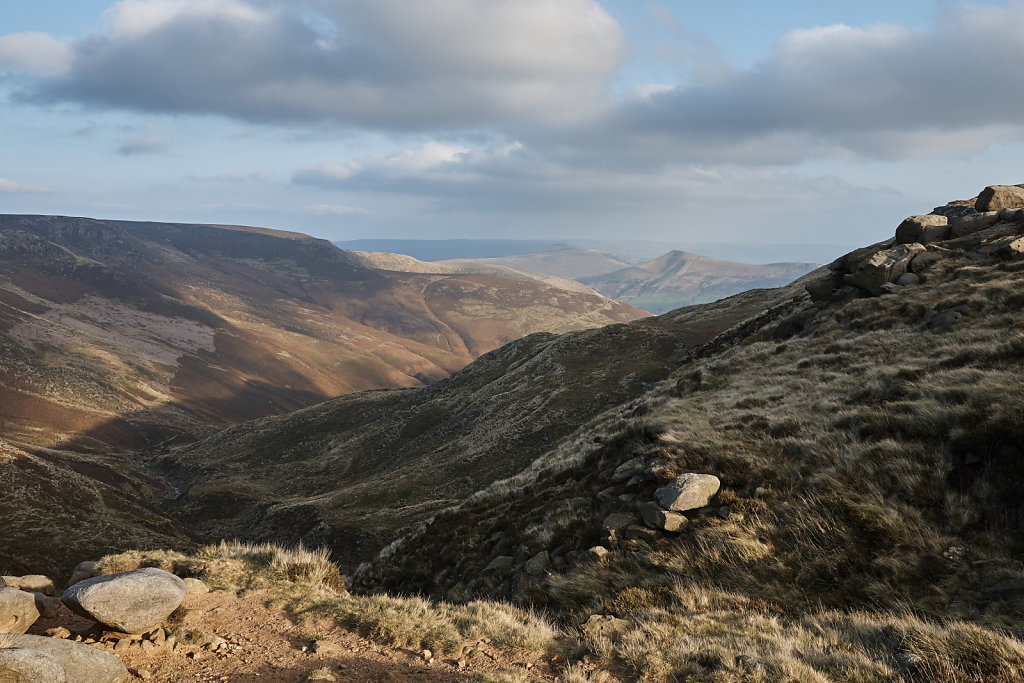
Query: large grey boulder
x=923, y=229
x=996, y=197
x=17, y=610
x=21, y=665
x=80, y=663
x=883, y=266
x=687, y=492
x=131, y=602
x=969, y=225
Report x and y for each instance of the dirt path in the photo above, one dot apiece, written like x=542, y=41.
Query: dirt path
x=264, y=643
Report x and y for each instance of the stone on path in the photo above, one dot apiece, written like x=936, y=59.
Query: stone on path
x=131, y=602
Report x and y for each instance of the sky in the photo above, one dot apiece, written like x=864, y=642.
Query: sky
x=739, y=121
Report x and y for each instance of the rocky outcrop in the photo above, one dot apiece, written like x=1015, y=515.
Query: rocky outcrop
x=132, y=602
x=922, y=229
x=38, y=658
x=883, y=267
x=17, y=610
x=996, y=197
x=688, y=492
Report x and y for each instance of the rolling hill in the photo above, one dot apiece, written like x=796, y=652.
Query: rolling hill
x=680, y=278
x=123, y=335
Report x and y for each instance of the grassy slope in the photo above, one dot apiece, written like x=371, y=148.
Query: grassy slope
x=117, y=334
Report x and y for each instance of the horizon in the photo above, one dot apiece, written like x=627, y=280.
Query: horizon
x=567, y=121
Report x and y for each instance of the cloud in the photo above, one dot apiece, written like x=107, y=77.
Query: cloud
x=12, y=187
x=142, y=145
x=387, y=64
x=39, y=53
x=336, y=210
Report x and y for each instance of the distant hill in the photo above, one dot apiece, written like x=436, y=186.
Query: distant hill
x=117, y=334
x=564, y=261
x=680, y=278
x=439, y=250
x=408, y=264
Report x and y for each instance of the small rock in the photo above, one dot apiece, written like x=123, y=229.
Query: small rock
x=945, y=320
x=32, y=583
x=996, y=197
x=58, y=632
x=724, y=512
x=131, y=602
x=17, y=610
x=500, y=564
x=83, y=571
x=615, y=523
x=688, y=492
x=144, y=674
x=598, y=552
x=922, y=261
x=427, y=655
x=908, y=279
x=537, y=564
x=656, y=517
x=195, y=587
x=47, y=605
x=627, y=469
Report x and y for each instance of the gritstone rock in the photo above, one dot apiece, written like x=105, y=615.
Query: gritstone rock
x=615, y=523
x=884, y=266
x=923, y=229
x=20, y=665
x=538, y=564
x=688, y=492
x=656, y=517
x=17, y=610
x=82, y=571
x=81, y=663
x=132, y=602
x=971, y=224
x=33, y=583
x=195, y=587
x=996, y=197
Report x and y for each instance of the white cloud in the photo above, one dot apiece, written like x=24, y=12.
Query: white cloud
x=36, y=52
x=387, y=64
x=12, y=187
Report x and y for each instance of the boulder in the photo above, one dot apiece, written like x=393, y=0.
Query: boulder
x=195, y=587
x=17, y=610
x=538, y=564
x=908, y=279
x=82, y=571
x=1007, y=248
x=80, y=662
x=687, y=492
x=615, y=523
x=996, y=197
x=656, y=517
x=883, y=266
x=500, y=564
x=22, y=665
x=131, y=602
x=969, y=225
x=922, y=261
x=923, y=229
x=47, y=605
x=33, y=583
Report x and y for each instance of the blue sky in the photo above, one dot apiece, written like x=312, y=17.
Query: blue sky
x=686, y=122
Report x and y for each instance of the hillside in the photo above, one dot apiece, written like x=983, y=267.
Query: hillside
x=407, y=264
x=864, y=425
x=123, y=335
x=560, y=260
x=680, y=278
